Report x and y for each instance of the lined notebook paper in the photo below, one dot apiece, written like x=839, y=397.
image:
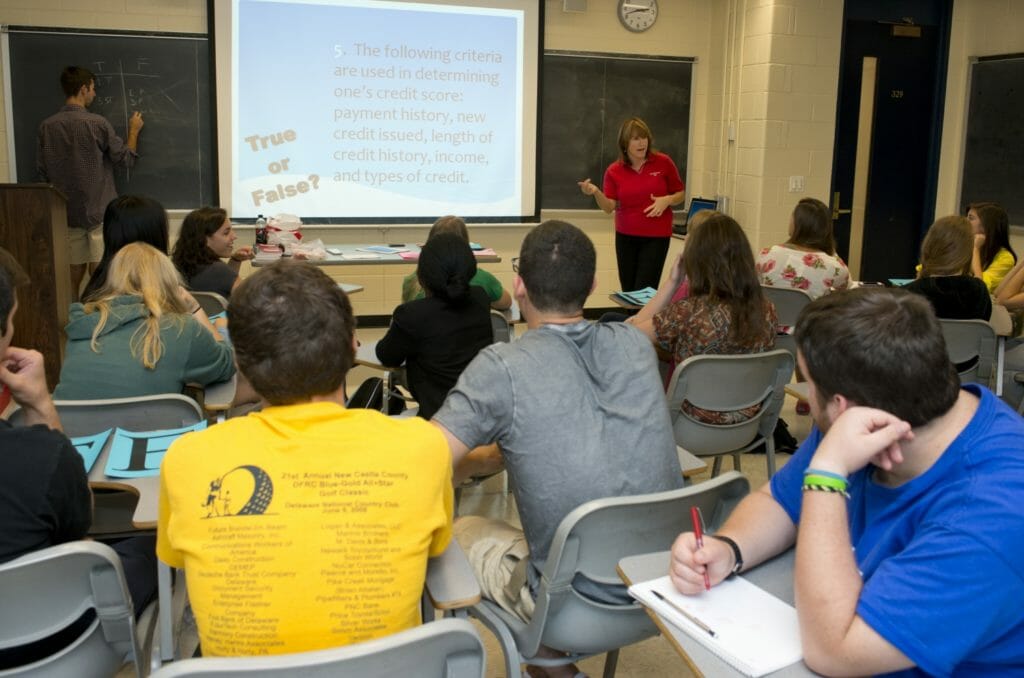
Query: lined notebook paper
x=755, y=632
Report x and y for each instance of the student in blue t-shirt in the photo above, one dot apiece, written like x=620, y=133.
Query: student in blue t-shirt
x=904, y=502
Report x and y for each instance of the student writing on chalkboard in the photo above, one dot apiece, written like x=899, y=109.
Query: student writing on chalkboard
x=206, y=237
x=640, y=187
x=993, y=254
x=77, y=152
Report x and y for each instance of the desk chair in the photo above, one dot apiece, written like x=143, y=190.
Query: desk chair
x=211, y=302
x=973, y=348
x=47, y=590
x=727, y=383
x=112, y=510
x=449, y=648
x=500, y=327
x=590, y=541
x=788, y=301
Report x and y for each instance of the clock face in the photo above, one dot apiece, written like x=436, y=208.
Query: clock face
x=638, y=15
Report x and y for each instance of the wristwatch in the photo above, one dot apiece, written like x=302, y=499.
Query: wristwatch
x=737, y=554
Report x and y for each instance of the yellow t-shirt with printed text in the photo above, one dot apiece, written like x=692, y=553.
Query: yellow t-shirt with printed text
x=305, y=526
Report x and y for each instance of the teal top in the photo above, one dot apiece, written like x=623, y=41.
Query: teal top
x=190, y=355
x=492, y=286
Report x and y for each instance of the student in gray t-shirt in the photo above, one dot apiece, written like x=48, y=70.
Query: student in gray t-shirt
x=576, y=408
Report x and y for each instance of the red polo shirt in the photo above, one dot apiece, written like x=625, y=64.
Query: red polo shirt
x=632, y=190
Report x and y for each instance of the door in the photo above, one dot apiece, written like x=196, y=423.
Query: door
x=883, y=209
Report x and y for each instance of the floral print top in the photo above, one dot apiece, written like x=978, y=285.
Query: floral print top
x=816, y=273
x=701, y=326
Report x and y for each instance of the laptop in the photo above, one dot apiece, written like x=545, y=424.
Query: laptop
x=696, y=205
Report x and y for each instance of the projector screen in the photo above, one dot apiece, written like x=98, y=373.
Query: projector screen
x=378, y=110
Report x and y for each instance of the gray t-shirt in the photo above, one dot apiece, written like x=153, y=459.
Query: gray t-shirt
x=580, y=414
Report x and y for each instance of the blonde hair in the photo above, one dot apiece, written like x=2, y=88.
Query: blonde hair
x=141, y=270
x=947, y=247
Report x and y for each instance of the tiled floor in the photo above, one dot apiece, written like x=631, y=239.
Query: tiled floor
x=654, y=657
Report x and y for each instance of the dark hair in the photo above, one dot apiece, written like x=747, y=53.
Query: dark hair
x=190, y=251
x=719, y=264
x=128, y=219
x=812, y=226
x=634, y=127
x=12, y=276
x=292, y=329
x=445, y=267
x=947, y=248
x=74, y=78
x=996, y=224
x=449, y=224
x=880, y=348
x=557, y=263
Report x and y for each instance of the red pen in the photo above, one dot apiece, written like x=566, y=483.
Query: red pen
x=698, y=532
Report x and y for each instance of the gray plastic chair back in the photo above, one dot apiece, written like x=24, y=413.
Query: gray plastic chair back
x=591, y=540
x=727, y=383
x=788, y=302
x=47, y=590
x=500, y=327
x=112, y=510
x=211, y=302
x=448, y=648
x=142, y=413
x=971, y=342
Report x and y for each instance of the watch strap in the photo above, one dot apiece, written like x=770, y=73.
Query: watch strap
x=737, y=554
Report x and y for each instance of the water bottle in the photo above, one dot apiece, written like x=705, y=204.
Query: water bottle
x=261, y=230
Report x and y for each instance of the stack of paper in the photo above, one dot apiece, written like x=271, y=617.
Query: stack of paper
x=638, y=297
x=753, y=630
x=267, y=253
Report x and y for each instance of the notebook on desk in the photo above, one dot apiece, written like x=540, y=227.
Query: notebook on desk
x=754, y=631
x=637, y=297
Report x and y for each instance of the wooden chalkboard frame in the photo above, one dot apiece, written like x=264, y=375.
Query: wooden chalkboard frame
x=178, y=183
x=571, y=150
x=985, y=98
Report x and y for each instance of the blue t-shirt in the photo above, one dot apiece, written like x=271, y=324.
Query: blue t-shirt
x=942, y=557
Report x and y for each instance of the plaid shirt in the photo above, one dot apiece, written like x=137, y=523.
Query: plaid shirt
x=77, y=152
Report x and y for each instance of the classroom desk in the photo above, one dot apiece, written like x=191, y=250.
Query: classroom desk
x=623, y=303
x=340, y=260
x=774, y=576
x=350, y=288
x=366, y=355
x=218, y=397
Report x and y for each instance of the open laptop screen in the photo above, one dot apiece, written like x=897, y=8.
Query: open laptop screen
x=698, y=204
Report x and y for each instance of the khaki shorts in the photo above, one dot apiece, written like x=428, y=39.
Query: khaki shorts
x=494, y=549
x=85, y=246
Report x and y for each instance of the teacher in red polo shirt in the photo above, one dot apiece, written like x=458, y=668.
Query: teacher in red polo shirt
x=640, y=187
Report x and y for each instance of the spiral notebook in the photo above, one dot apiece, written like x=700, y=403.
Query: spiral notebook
x=754, y=631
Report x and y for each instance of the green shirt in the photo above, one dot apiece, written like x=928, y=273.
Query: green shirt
x=492, y=286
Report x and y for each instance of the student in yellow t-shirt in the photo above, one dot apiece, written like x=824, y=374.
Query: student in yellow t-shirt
x=306, y=525
x=993, y=254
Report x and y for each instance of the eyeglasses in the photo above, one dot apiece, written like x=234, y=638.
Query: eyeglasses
x=515, y=264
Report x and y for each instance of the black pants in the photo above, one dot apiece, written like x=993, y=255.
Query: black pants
x=640, y=260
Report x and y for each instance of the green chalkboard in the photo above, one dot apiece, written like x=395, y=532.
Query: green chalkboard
x=584, y=99
x=164, y=76
x=994, y=148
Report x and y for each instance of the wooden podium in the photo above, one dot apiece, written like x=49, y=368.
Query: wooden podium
x=33, y=228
